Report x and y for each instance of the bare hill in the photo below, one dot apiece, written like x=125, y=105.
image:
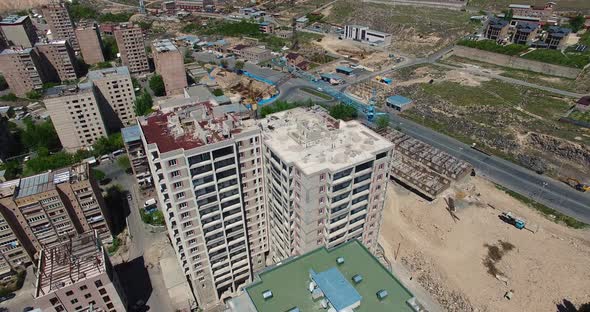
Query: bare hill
x=9, y=5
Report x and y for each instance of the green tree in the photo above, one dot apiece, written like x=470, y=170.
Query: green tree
x=382, y=122
x=223, y=63
x=143, y=104
x=11, y=97
x=188, y=56
x=157, y=85
x=103, y=65
x=344, y=112
x=33, y=95
x=577, y=22
x=98, y=175
x=239, y=65
x=109, y=48
x=508, y=14
x=218, y=92
x=124, y=162
x=3, y=83
x=106, y=145
x=42, y=135
x=12, y=169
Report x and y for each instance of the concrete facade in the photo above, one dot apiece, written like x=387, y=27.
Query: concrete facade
x=19, y=31
x=137, y=156
x=169, y=63
x=364, y=34
x=43, y=210
x=208, y=175
x=132, y=49
x=22, y=70
x=255, y=54
x=59, y=60
x=325, y=181
x=76, y=116
x=116, y=96
x=59, y=22
x=496, y=29
x=77, y=275
x=90, y=43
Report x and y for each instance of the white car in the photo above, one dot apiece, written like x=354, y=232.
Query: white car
x=118, y=152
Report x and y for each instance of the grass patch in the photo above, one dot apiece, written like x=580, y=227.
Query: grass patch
x=580, y=116
x=492, y=46
x=155, y=218
x=569, y=59
x=112, y=249
x=546, y=211
x=317, y=93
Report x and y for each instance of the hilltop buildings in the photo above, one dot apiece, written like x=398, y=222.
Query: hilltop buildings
x=22, y=69
x=364, y=34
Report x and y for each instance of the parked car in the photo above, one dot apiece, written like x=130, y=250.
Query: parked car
x=118, y=152
x=7, y=297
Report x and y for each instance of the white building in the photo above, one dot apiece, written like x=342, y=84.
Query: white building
x=364, y=34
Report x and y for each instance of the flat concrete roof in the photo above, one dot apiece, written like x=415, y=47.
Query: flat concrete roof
x=164, y=45
x=313, y=141
x=131, y=134
x=289, y=281
x=106, y=72
x=13, y=19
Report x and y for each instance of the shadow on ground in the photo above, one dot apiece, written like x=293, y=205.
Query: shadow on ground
x=117, y=208
x=136, y=283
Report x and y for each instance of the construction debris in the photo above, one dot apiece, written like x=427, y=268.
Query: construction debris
x=423, y=168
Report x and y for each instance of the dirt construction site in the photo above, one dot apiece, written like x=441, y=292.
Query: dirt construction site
x=470, y=259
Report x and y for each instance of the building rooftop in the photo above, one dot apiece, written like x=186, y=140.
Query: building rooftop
x=131, y=134
x=334, y=280
x=302, y=19
x=526, y=27
x=256, y=50
x=65, y=90
x=519, y=6
x=13, y=19
x=164, y=45
x=585, y=101
x=558, y=32
x=498, y=23
x=344, y=69
x=107, y=72
x=75, y=260
x=398, y=100
x=201, y=93
x=15, y=50
x=190, y=125
x=314, y=141
x=43, y=182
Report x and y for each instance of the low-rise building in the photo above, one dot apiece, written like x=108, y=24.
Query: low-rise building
x=168, y=6
x=255, y=54
x=19, y=31
x=297, y=60
x=399, y=103
x=137, y=156
x=266, y=28
x=496, y=29
x=542, y=12
x=301, y=22
x=583, y=104
x=557, y=37
x=344, y=278
x=77, y=275
x=364, y=34
x=525, y=33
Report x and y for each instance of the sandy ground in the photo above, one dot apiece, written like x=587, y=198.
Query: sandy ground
x=453, y=259
x=6, y=5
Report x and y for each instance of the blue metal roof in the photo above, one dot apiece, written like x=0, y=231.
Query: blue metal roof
x=336, y=288
x=398, y=100
x=131, y=134
x=345, y=69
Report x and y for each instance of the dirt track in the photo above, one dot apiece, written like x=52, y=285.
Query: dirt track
x=455, y=259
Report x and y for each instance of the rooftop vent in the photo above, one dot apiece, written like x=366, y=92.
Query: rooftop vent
x=382, y=294
x=267, y=294
x=357, y=279
x=340, y=260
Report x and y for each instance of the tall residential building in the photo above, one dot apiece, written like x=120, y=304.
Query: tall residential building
x=132, y=49
x=22, y=70
x=116, y=96
x=169, y=63
x=341, y=279
x=59, y=22
x=19, y=31
x=139, y=162
x=12, y=252
x=59, y=60
x=45, y=209
x=77, y=275
x=90, y=42
x=206, y=165
x=76, y=115
x=325, y=181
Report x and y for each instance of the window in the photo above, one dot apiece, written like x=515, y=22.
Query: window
x=321, y=189
x=98, y=283
x=83, y=287
x=69, y=293
x=182, y=205
x=381, y=166
x=102, y=291
x=177, y=184
x=175, y=173
x=106, y=298
x=322, y=177
x=53, y=301
x=59, y=309
x=74, y=301
x=184, y=215
x=88, y=295
x=180, y=195
x=110, y=305
x=321, y=200
x=172, y=162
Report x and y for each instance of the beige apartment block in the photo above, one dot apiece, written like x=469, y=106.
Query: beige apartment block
x=19, y=31
x=59, y=22
x=90, y=42
x=114, y=90
x=169, y=63
x=132, y=49
x=325, y=181
x=22, y=70
x=45, y=209
x=77, y=275
x=59, y=60
x=13, y=255
x=206, y=164
x=76, y=115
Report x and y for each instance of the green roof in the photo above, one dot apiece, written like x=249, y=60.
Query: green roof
x=289, y=281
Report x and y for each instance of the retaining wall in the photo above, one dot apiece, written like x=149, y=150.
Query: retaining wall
x=516, y=62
